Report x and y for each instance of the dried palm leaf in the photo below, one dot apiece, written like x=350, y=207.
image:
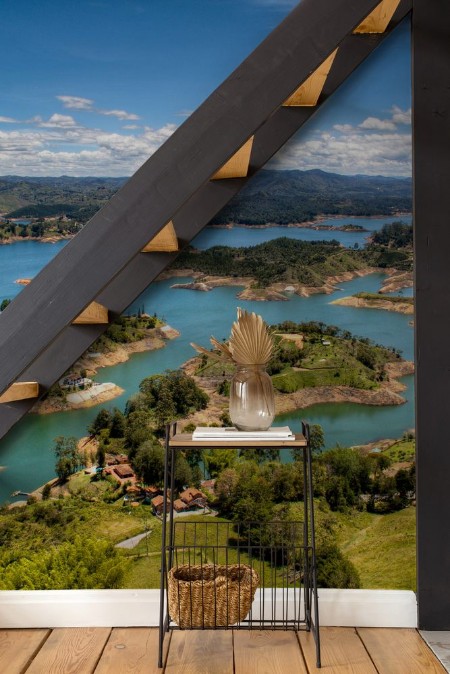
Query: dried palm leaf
x=250, y=342
x=209, y=353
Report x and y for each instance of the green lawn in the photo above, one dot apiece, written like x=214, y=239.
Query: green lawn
x=291, y=380
x=382, y=547
x=403, y=450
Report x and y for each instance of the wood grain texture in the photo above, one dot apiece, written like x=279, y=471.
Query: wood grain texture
x=342, y=652
x=21, y=390
x=399, y=651
x=377, y=21
x=308, y=93
x=71, y=650
x=267, y=652
x=237, y=165
x=131, y=651
x=200, y=652
x=18, y=648
x=95, y=313
x=164, y=242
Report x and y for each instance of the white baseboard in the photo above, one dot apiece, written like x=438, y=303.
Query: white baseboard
x=134, y=608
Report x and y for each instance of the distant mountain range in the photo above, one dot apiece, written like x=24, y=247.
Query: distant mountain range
x=270, y=197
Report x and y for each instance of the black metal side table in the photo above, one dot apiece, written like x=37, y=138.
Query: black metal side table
x=282, y=553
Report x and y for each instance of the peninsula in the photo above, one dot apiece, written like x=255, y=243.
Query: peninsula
x=402, y=305
x=125, y=336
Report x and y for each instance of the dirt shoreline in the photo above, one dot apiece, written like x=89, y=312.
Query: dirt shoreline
x=274, y=292
x=155, y=339
x=384, y=304
x=41, y=239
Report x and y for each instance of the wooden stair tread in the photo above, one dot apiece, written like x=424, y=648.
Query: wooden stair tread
x=378, y=20
x=94, y=313
x=164, y=242
x=20, y=390
x=237, y=165
x=308, y=93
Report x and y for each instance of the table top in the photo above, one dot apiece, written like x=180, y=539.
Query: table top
x=184, y=440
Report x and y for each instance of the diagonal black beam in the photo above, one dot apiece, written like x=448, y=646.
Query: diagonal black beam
x=194, y=215
x=158, y=190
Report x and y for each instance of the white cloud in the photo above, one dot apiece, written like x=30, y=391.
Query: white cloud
x=374, y=123
x=76, y=102
x=120, y=114
x=38, y=151
x=80, y=103
x=343, y=128
x=8, y=120
x=56, y=120
x=386, y=154
x=400, y=116
x=130, y=126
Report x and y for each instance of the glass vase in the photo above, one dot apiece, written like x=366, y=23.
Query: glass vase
x=252, y=401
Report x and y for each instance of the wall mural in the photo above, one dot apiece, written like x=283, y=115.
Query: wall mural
x=319, y=244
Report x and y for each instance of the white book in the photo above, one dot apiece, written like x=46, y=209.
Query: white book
x=232, y=433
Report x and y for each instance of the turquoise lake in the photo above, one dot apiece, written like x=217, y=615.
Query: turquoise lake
x=26, y=454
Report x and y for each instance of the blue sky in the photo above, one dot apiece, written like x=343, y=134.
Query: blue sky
x=93, y=87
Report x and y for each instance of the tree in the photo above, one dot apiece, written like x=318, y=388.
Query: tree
x=183, y=473
x=216, y=460
x=137, y=430
x=316, y=442
x=4, y=304
x=334, y=569
x=316, y=438
x=117, y=428
x=149, y=463
x=68, y=459
x=100, y=456
x=172, y=395
x=101, y=421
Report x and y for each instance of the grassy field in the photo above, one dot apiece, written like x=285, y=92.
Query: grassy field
x=196, y=544
x=403, y=450
x=291, y=380
x=382, y=547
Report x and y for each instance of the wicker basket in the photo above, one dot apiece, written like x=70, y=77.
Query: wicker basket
x=211, y=595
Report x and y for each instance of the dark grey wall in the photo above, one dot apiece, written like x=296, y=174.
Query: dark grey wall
x=431, y=174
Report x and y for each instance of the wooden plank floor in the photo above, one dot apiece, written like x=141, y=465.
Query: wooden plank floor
x=345, y=650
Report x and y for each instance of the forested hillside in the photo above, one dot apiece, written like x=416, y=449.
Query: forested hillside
x=271, y=196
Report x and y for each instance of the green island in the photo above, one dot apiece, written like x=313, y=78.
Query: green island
x=301, y=266
x=312, y=363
